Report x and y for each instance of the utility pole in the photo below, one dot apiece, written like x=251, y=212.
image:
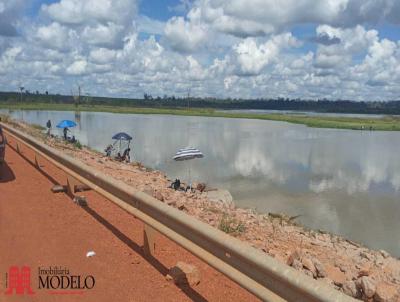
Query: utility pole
x=21, y=88
x=76, y=97
x=188, y=98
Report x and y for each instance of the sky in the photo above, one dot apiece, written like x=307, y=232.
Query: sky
x=309, y=49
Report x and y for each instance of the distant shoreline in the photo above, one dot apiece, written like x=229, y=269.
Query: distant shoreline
x=386, y=123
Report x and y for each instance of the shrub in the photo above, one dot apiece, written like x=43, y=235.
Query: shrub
x=78, y=145
x=231, y=225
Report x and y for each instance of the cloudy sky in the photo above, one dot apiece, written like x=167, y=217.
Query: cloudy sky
x=222, y=48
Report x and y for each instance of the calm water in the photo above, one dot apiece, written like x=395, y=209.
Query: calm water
x=346, y=182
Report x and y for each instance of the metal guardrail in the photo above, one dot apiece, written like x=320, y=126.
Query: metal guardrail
x=255, y=271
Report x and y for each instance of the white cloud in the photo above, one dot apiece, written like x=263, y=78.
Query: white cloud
x=252, y=58
x=381, y=51
x=102, y=55
x=105, y=35
x=54, y=36
x=184, y=36
x=330, y=61
x=8, y=58
x=9, y=13
x=261, y=17
x=79, y=12
x=77, y=68
x=219, y=48
x=350, y=42
x=102, y=23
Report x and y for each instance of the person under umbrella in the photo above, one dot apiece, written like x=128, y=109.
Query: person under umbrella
x=123, y=140
x=65, y=131
x=188, y=154
x=65, y=125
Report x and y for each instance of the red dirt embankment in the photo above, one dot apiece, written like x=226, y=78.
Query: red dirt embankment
x=42, y=229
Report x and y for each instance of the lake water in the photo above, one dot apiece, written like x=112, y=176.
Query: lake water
x=342, y=181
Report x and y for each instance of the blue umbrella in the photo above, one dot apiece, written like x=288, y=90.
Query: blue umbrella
x=66, y=124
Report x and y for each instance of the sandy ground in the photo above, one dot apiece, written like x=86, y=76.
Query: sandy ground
x=345, y=265
x=41, y=229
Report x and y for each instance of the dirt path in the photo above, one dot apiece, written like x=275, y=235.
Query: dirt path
x=42, y=229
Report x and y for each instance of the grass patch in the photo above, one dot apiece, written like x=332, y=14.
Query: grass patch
x=213, y=210
x=8, y=120
x=38, y=127
x=77, y=145
x=231, y=225
x=387, y=123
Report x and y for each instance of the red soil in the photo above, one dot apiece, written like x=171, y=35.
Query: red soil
x=42, y=229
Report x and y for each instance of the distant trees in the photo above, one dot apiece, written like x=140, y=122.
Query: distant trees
x=87, y=99
x=321, y=105
x=147, y=97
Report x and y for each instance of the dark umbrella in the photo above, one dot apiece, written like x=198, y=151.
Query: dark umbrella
x=122, y=136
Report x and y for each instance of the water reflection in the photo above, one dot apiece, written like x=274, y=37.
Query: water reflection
x=347, y=182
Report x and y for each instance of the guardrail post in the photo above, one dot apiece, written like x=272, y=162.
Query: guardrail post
x=37, y=161
x=72, y=187
x=149, y=244
x=71, y=183
x=18, y=150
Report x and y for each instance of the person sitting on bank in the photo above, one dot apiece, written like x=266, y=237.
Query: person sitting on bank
x=108, y=150
x=176, y=185
x=125, y=156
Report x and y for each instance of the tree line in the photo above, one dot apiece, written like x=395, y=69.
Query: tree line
x=321, y=105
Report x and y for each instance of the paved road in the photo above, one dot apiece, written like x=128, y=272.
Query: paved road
x=42, y=229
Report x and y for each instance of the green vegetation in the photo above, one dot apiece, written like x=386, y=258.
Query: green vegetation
x=388, y=123
x=8, y=120
x=77, y=145
x=231, y=225
x=38, y=127
x=389, y=107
